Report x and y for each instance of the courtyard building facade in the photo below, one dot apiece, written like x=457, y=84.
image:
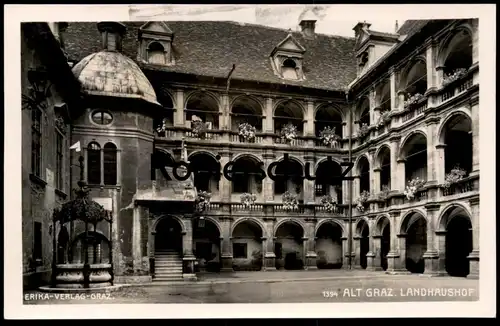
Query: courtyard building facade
x=218, y=146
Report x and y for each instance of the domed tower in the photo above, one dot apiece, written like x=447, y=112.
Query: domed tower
x=116, y=137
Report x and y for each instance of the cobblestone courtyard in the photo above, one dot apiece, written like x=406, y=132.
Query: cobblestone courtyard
x=285, y=287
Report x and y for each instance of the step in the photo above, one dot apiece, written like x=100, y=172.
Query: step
x=168, y=262
x=167, y=270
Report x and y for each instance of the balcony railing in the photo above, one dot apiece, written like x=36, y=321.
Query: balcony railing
x=458, y=86
x=236, y=138
x=295, y=142
x=414, y=110
x=461, y=187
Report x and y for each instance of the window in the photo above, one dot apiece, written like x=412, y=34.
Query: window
x=94, y=164
x=36, y=141
x=289, y=69
x=37, y=245
x=156, y=53
x=109, y=164
x=102, y=117
x=59, y=160
x=239, y=250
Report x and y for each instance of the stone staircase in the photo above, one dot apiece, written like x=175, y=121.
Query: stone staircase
x=168, y=266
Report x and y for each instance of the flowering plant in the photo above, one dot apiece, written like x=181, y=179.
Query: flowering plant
x=385, y=118
x=162, y=126
x=361, y=201
x=455, y=175
x=203, y=201
x=412, y=99
x=60, y=123
x=329, y=203
x=384, y=193
x=455, y=75
x=363, y=130
x=290, y=201
x=413, y=186
x=289, y=132
x=198, y=128
x=248, y=199
x=328, y=136
x=247, y=131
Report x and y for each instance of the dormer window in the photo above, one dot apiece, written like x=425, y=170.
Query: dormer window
x=289, y=69
x=155, y=44
x=286, y=59
x=156, y=53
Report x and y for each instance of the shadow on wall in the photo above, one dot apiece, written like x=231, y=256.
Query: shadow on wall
x=324, y=263
x=252, y=264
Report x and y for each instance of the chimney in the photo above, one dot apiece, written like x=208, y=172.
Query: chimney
x=359, y=26
x=111, y=35
x=308, y=23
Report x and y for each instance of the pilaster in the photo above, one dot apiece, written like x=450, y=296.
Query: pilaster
x=431, y=256
x=267, y=183
x=268, y=125
x=432, y=160
x=394, y=146
x=309, y=124
x=474, y=255
x=179, y=114
x=226, y=250
x=393, y=90
x=309, y=191
x=269, y=255
x=225, y=185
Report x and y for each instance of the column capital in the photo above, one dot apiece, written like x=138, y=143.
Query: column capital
x=474, y=201
x=377, y=236
x=432, y=207
x=309, y=158
x=394, y=213
x=440, y=146
x=377, y=169
x=225, y=153
x=440, y=68
x=268, y=155
x=394, y=138
x=401, y=160
x=401, y=235
x=371, y=150
x=441, y=232
x=432, y=121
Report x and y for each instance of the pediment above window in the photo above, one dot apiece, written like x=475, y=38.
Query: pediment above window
x=287, y=59
x=155, y=43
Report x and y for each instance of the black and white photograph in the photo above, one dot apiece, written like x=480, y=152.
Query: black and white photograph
x=251, y=154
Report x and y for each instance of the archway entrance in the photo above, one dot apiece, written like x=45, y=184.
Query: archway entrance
x=206, y=242
x=416, y=243
x=385, y=246
x=458, y=246
x=364, y=242
x=247, y=246
x=329, y=246
x=289, y=249
x=168, y=236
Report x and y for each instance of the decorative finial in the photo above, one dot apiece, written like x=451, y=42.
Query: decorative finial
x=396, y=27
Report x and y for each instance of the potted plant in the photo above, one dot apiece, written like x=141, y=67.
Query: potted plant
x=289, y=132
x=363, y=130
x=248, y=199
x=385, y=118
x=202, y=201
x=361, y=201
x=412, y=99
x=456, y=174
x=454, y=75
x=290, y=201
x=198, y=128
x=413, y=186
x=329, y=203
x=162, y=127
x=329, y=137
x=246, y=131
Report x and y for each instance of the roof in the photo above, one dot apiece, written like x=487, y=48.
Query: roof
x=113, y=74
x=410, y=27
x=210, y=48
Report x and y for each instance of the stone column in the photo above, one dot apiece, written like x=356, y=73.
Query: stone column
x=179, y=113
x=136, y=237
x=224, y=123
x=357, y=251
x=401, y=99
x=376, y=254
x=401, y=174
x=310, y=245
x=376, y=180
x=356, y=187
x=474, y=255
x=373, y=105
x=188, y=258
x=268, y=126
x=431, y=255
x=309, y=124
x=475, y=41
x=371, y=256
x=475, y=139
x=226, y=250
x=371, y=159
x=439, y=162
x=393, y=88
x=225, y=186
x=394, y=255
x=441, y=249
x=309, y=190
x=431, y=56
x=432, y=160
x=267, y=183
x=269, y=255
x=394, y=146
x=439, y=76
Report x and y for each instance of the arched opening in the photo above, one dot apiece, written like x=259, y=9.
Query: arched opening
x=323, y=183
x=288, y=112
x=415, y=156
x=364, y=174
x=364, y=242
x=458, y=53
x=205, y=169
x=328, y=117
x=97, y=252
x=62, y=245
x=289, y=177
x=289, y=69
x=110, y=164
x=384, y=97
x=94, y=163
x=458, y=241
x=385, y=241
x=416, y=242
x=246, y=110
x=166, y=118
x=458, y=139
x=168, y=237
x=384, y=161
x=247, y=246
x=363, y=112
x=156, y=53
x=289, y=249
x=329, y=246
x=206, y=241
x=201, y=106
x=245, y=172
x=416, y=79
